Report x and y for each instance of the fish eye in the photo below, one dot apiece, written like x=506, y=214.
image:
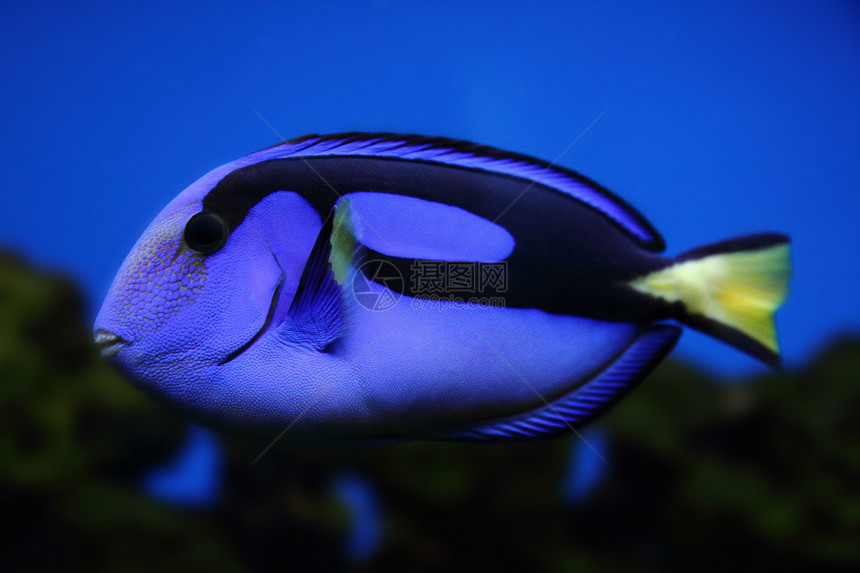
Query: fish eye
x=205, y=233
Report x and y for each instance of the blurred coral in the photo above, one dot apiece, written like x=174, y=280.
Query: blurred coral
x=703, y=475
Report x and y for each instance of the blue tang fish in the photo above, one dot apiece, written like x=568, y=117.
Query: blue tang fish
x=509, y=298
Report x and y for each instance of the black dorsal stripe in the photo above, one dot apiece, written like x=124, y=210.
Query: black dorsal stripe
x=655, y=244
x=568, y=259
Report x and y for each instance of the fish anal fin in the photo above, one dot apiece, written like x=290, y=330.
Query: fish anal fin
x=585, y=404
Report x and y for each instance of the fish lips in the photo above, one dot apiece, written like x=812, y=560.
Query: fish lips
x=108, y=343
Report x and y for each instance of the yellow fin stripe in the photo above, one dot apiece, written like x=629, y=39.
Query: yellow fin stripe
x=342, y=241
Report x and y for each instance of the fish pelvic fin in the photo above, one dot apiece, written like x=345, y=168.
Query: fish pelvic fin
x=729, y=290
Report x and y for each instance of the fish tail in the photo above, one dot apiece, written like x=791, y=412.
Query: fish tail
x=729, y=290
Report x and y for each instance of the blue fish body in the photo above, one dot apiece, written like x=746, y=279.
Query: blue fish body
x=380, y=287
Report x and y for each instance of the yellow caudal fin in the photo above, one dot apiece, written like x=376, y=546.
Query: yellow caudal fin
x=729, y=290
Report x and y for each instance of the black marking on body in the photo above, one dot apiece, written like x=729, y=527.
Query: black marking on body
x=569, y=258
x=447, y=145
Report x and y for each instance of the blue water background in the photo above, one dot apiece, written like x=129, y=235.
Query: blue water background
x=715, y=119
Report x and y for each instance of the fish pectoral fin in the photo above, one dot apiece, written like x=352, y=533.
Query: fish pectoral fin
x=586, y=403
x=317, y=313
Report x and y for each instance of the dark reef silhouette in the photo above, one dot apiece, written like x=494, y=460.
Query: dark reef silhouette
x=761, y=473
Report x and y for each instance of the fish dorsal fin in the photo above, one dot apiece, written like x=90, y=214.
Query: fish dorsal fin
x=317, y=315
x=473, y=156
x=587, y=402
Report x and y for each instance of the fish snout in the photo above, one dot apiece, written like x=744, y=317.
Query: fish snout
x=108, y=343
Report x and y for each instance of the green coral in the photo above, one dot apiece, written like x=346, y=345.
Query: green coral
x=703, y=475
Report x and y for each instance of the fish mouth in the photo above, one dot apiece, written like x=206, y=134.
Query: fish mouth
x=108, y=343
